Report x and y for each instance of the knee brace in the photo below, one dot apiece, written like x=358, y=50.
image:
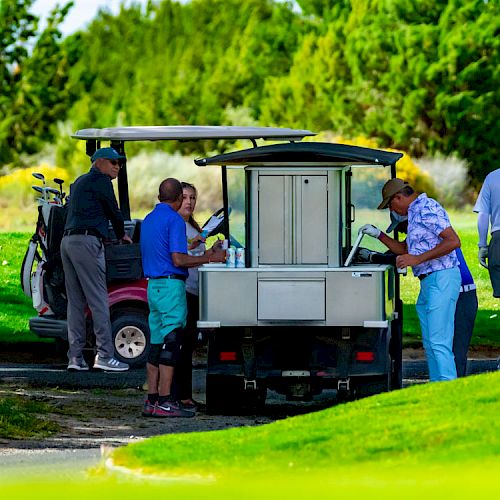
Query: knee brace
x=154, y=354
x=171, y=349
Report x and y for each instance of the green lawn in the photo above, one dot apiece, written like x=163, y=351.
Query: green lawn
x=439, y=440
x=434, y=424
x=22, y=418
x=16, y=307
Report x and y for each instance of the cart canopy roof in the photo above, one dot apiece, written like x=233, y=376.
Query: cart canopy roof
x=189, y=133
x=305, y=153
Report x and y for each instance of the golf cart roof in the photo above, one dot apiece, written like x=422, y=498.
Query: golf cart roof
x=305, y=153
x=189, y=133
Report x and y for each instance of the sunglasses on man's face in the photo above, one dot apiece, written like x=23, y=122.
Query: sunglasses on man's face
x=113, y=162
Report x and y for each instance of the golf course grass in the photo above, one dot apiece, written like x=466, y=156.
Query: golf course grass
x=439, y=440
x=434, y=424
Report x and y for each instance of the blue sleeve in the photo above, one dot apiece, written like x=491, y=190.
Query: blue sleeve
x=483, y=202
x=177, y=236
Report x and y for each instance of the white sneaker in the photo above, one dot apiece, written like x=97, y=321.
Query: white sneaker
x=77, y=365
x=110, y=365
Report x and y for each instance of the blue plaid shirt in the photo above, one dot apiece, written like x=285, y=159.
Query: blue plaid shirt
x=427, y=219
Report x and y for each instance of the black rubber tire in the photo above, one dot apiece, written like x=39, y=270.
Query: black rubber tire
x=224, y=395
x=396, y=353
x=130, y=336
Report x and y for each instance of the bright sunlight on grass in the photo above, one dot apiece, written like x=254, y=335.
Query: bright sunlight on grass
x=437, y=424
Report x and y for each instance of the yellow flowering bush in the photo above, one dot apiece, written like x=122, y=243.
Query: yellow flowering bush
x=15, y=188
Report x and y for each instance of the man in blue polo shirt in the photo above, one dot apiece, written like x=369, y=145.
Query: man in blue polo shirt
x=165, y=261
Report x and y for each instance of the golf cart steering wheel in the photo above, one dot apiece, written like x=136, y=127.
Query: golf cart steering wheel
x=219, y=214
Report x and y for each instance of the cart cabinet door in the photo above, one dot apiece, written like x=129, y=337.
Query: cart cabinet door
x=312, y=219
x=275, y=218
x=291, y=299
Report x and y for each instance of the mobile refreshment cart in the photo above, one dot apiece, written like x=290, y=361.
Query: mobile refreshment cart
x=295, y=318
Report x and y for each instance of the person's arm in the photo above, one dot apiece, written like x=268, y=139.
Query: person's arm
x=111, y=210
x=185, y=260
x=483, y=223
x=395, y=246
x=449, y=241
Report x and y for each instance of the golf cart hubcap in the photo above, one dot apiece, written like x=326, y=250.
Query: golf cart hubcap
x=130, y=342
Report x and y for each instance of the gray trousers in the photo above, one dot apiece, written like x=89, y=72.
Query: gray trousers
x=85, y=278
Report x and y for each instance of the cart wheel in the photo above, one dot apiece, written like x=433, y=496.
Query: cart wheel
x=253, y=401
x=130, y=334
x=224, y=395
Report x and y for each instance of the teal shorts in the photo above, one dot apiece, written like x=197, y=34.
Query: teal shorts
x=167, y=307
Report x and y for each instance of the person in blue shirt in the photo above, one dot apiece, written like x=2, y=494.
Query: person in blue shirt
x=165, y=261
x=467, y=304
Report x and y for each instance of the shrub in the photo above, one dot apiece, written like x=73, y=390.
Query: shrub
x=368, y=182
x=15, y=188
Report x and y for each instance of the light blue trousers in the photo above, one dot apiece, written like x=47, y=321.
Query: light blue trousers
x=436, y=306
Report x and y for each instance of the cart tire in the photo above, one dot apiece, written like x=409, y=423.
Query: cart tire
x=396, y=354
x=224, y=395
x=130, y=336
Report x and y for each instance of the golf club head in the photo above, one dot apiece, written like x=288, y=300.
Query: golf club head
x=58, y=181
x=38, y=176
x=52, y=191
x=38, y=189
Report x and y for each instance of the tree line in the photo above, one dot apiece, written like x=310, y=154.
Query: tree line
x=420, y=76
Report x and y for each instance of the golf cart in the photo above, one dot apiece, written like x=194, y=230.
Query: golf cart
x=42, y=276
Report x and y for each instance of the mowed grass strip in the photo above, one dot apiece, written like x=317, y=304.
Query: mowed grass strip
x=21, y=418
x=16, y=308
x=436, y=424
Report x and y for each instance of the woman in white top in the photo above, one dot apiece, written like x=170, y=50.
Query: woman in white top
x=196, y=246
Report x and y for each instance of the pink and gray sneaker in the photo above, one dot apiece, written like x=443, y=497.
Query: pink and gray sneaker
x=171, y=408
x=148, y=409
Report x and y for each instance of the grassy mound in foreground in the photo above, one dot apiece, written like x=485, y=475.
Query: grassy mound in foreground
x=440, y=424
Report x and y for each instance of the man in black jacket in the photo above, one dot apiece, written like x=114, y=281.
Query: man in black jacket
x=91, y=205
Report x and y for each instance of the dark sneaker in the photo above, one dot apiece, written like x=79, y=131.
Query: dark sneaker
x=148, y=409
x=191, y=405
x=171, y=409
x=77, y=365
x=110, y=365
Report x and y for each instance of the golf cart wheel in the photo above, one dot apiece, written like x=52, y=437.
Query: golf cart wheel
x=130, y=335
x=224, y=394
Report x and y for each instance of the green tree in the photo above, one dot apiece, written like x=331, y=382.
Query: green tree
x=34, y=72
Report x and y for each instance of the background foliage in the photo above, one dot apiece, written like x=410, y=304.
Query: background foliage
x=419, y=76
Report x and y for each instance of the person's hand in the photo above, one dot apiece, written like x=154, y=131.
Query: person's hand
x=365, y=255
x=196, y=242
x=370, y=230
x=408, y=260
x=217, y=255
x=482, y=256
x=126, y=239
x=217, y=244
